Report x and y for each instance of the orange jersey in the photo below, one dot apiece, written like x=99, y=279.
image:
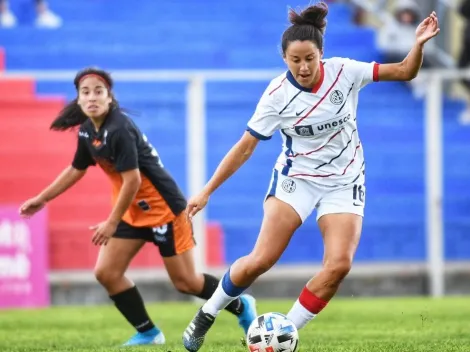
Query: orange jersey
x=120, y=146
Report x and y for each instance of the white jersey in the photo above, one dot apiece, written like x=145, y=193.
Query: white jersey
x=318, y=126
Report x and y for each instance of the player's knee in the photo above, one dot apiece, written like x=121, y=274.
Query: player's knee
x=107, y=277
x=338, y=269
x=185, y=285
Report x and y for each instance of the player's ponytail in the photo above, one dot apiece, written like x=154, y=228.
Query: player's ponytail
x=308, y=24
x=72, y=115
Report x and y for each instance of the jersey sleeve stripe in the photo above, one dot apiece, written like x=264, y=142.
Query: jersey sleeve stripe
x=257, y=135
x=375, y=73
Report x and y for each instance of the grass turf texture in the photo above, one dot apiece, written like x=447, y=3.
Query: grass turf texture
x=347, y=325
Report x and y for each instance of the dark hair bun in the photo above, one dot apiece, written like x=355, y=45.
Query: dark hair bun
x=313, y=16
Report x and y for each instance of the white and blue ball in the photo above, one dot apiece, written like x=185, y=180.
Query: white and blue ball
x=272, y=332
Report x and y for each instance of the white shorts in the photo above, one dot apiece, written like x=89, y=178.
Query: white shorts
x=305, y=196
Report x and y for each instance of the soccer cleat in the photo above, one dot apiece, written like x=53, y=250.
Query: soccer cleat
x=193, y=336
x=151, y=337
x=249, y=312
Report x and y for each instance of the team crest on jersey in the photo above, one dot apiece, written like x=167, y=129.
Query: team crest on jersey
x=288, y=185
x=336, y=97
x=304, y=130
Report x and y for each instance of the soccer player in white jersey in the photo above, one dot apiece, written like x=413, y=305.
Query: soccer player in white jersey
x=321, y=165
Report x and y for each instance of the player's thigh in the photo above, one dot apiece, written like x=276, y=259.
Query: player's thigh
x=117, y=254
x=175, y=239
x=340, y=215
x=176, y=243
x=341, y=234
x=180, y=265
x=288, y=204
x=182, y=272
x=279, y=223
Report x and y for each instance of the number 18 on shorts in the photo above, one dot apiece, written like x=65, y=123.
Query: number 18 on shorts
x=305, y=196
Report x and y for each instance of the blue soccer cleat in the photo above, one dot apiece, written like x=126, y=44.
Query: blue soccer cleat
x=249, y=312
x=151, y=337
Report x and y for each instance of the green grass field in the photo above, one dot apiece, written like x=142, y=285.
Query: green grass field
x=398, y=325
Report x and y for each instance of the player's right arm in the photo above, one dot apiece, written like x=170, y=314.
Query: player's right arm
x=232, y=161
x=261, y=126
x=66, y=179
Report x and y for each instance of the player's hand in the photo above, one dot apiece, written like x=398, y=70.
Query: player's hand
x=31, y=207
x=427, y=29
x=196, y=204
x=103, y=232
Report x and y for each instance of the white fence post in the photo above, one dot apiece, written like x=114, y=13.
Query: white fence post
x=434, y=199
x=196, y=159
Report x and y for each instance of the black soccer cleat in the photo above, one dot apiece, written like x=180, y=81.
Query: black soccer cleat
x=195, y=333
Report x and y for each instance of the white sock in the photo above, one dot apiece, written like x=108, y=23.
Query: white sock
x=299, y=315
x=218, y=301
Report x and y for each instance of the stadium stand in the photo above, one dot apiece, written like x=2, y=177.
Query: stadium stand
x=184, y=34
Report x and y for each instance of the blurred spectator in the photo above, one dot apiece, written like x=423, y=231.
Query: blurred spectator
x=45, y=18
x=359, y=14
x=398, y=35
x=464, y=60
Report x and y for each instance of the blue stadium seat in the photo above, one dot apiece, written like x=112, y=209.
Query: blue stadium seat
x=209, y=34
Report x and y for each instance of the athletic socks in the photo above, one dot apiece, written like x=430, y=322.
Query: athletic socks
x=210, y=287
x=305, y=308
x=131, y=306
x=225, y=294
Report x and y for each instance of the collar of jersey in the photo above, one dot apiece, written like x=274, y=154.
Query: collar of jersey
x=315, y=88
x=107, y=119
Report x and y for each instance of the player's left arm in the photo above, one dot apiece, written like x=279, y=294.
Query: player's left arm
x=410, y=66
x=127, y=164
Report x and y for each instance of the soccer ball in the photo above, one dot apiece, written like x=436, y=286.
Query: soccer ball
x=272, y=332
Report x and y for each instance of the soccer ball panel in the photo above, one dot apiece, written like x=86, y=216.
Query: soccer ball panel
x=272, y=332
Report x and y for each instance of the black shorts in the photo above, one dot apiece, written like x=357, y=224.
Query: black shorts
x=172, y=239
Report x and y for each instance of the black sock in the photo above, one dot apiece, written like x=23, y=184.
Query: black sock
x=210, y=285
x=131, y=306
